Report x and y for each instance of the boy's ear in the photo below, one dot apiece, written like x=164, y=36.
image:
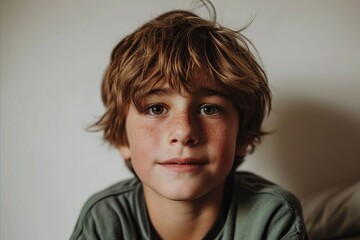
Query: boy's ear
x=125, y=151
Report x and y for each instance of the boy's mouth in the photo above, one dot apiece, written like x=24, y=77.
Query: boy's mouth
x=183, y=164
x=184, y=161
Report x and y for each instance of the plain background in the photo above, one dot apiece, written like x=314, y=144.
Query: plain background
x=53, y=55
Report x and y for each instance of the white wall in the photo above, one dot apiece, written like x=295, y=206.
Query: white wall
x=53, y=54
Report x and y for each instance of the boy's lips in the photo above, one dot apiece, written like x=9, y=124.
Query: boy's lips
x=184, y=161
x=183, y=164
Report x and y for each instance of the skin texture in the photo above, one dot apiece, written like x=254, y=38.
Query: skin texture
x=182, y=147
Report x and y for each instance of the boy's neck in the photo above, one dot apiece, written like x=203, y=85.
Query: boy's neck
x=183, y=219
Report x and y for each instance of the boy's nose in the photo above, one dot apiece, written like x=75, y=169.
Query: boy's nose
x=184, y=130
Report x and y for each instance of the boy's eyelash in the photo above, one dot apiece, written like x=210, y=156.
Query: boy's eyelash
x=216, y=109
x=205, y=109
x=151, y=109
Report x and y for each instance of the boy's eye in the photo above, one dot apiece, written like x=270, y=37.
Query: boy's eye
x=210, y=110
x=155, y=109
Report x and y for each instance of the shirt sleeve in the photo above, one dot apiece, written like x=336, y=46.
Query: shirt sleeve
x=286, y=223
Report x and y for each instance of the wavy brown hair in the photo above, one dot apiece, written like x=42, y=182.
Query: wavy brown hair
x=173, y=47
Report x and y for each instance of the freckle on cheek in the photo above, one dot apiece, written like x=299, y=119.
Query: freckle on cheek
x=216, y=132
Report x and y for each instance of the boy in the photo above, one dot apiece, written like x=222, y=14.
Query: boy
x=185, y=99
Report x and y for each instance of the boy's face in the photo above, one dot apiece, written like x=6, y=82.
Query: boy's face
x=182, y=147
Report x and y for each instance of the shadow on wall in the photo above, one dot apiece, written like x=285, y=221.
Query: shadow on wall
x=316, y=146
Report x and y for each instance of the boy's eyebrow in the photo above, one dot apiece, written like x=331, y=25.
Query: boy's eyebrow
x=212, y=92
x=161, y=91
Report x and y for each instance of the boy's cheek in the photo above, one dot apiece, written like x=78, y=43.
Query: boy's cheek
x=149, y=134
x=143, y=141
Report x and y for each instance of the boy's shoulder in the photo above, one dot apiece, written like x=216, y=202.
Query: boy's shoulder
x=127, y=192
x=253, y=188
x=260, y=206
x=112, y=212
x=122, y=189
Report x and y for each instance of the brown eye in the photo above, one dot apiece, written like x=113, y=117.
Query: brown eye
x=156, y=110
x=210, y=110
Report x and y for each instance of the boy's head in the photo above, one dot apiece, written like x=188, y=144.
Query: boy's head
x=177, y=47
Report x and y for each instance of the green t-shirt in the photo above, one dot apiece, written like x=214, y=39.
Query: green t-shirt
x=253, y=208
